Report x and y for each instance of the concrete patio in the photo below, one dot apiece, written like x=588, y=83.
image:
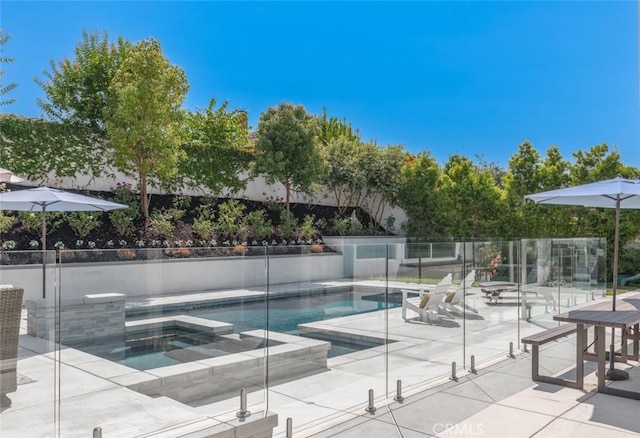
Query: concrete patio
x=500, y=400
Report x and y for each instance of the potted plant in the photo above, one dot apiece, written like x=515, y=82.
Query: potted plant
x=126, y=254
x=240, y=249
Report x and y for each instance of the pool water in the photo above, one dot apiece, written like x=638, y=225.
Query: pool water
x=171, y=346
x=148, y=350
x=285, y=314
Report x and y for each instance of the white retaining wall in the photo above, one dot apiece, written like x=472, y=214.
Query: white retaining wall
x=162, y=277
x=369, y=257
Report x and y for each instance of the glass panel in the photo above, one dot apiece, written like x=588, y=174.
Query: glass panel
x=150, y=334
x=428, y=330
x=600, y=274
x=29, y=373
x=542, y=274
x=494, y=301
x=314, y=312
x=334, y=305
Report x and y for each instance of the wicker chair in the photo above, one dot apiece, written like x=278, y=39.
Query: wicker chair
x=10, y=309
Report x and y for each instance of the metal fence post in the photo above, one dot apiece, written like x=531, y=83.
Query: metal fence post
x=398, y=396
x=289, y=433
x=371, y=408
x=243, y=412
x=511, y=355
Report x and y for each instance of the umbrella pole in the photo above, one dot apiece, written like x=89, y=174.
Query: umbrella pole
x=44, y=251
x=616, y=244
x=613, y=373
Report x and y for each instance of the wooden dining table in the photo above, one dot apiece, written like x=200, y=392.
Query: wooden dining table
x=600, y=316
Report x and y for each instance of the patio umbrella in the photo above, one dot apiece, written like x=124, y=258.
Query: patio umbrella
x=7, y=176
x=45, y=199
x=615, y=193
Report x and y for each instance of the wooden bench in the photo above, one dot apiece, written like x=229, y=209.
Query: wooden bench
x=543, y=338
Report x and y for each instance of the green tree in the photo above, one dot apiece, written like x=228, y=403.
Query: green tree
x=77, y=90
x=595, y=164
x=145, y=117
x=419, y=196
x=470, y=200
x=331, y=128
x=383, y=178
x=522, y=178
x=4, y=90
x=598, y=163
x=215, y=146
x=285, y=150
x=553, y=173
x=345, y=171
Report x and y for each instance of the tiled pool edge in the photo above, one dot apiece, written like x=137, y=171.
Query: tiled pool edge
x=190, y=381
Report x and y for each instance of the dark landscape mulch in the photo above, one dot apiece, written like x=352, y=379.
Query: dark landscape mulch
x=101, y=236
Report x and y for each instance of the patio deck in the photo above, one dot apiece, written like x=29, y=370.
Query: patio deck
x=501, y=400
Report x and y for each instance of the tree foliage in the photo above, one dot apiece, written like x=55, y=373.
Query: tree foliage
x=470, y=200
x=332, y=128
x=77, y=90
x=345, y=171
x=383, y=178
x=145, y=116
x=5, y=89
x=419, y=196
x=215, y=146
x=35, y=148
x=285, y=150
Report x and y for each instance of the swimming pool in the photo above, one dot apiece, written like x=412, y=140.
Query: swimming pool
x=153, y=347
x=284, y=314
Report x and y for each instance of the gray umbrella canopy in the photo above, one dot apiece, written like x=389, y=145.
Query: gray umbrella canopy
x=615, y=193
x=7, y=176
x=43, y=199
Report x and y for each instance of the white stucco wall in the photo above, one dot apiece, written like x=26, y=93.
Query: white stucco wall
x=162, y=277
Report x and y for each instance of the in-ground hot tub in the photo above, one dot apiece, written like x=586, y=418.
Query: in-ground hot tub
x=172, y=356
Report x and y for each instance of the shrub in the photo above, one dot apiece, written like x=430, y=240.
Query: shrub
x=257, y=224
x=341, y=225
x=628, y=263
x=123, y=220
x=205, y=209
x=307, y=229
x=390, y=223
x=161, y=223
x=178, y=208
x=83, y=223
x=273, y=203
x=230, y=218
x=32, y=221
x=203, y=228
x=288, y=224
x=6, y=222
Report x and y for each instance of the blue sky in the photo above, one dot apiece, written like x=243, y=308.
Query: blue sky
x=474, y=78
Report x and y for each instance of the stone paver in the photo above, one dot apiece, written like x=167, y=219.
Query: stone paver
x=501, y=400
